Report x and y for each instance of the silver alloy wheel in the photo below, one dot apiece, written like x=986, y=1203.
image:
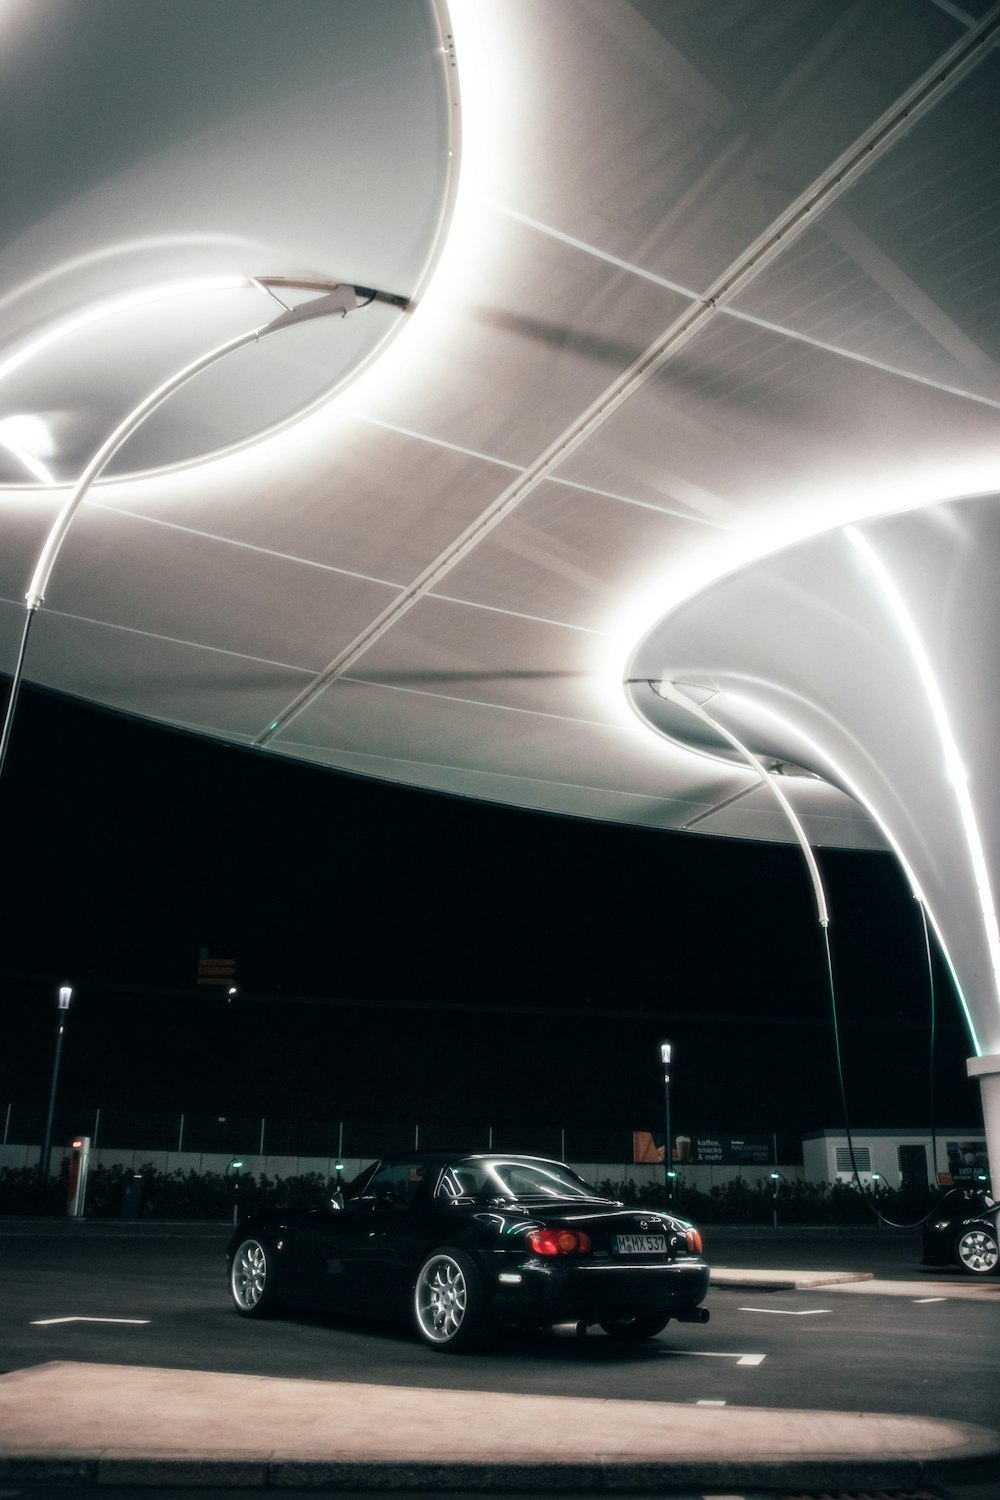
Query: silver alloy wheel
x=249, y=1275
x=441, y=1299
x=978, y=1252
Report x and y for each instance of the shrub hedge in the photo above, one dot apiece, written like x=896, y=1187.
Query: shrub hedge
x=115, y=1192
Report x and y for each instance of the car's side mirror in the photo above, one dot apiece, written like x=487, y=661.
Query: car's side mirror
x=336, y=1199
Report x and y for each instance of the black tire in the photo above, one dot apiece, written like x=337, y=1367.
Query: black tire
x=451, y=1309
x=977, y=1251
x=634, y=1330
x=253, y=1280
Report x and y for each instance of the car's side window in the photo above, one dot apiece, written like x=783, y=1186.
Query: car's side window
x=461, y=1182
x=397, y=1185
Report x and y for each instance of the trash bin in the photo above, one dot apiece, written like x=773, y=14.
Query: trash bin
x=132, y=1196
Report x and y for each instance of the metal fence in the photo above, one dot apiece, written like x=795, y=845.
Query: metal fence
x=117, y=1129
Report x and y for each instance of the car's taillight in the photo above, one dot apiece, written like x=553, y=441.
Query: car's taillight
x=559, y=1241
x=693, y=1241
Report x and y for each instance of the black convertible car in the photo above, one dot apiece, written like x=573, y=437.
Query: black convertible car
x=964, y=1231
x=461, y=1243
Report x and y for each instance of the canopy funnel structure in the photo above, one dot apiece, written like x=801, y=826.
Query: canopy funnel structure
x=865, y=658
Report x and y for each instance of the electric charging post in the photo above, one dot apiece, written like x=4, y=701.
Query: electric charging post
x=233, y=1173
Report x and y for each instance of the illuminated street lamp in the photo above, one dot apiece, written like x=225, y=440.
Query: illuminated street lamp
x=668, y=1155
x=64, y=998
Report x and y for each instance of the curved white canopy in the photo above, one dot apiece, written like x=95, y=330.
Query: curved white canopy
x=686, y=284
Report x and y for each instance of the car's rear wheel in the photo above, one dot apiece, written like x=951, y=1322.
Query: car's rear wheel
x=977, y=1252
x=632, y=1330
x=253, y=1280
x=450, y=1305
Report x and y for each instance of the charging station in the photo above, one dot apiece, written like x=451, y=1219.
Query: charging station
x=79, y=1160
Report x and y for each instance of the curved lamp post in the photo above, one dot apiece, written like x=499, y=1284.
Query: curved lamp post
x=333, y=297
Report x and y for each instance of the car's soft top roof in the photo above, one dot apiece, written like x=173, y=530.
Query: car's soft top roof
x=437, y=1155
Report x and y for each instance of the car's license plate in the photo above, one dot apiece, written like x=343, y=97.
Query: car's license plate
x=639, y=1244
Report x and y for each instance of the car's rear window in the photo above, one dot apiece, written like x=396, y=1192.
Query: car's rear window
x=503, y=1177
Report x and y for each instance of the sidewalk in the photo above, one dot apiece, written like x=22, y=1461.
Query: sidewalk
x=119, y=1425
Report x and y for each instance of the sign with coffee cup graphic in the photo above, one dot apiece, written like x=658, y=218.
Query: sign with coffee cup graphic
x=704, y=1150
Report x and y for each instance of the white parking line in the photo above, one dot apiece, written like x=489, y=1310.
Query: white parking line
x=786, y=1312
x=741, y=1359
x=919, y=1300
x=48, y=1322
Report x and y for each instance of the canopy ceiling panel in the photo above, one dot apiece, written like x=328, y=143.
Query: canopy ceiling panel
x=561, y=554
x=483, y=737
x=205, y=689
x=190, y=588
x=321, y=514
x=547, y=329
x=747, y=416
x=903, y=269
x=700, y=122
x=659, y=289
x=615, y=772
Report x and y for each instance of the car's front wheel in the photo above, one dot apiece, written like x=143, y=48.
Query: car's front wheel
x=450, y=1305
x=253, y=1280
x=977, y=1252
x=633, y=1330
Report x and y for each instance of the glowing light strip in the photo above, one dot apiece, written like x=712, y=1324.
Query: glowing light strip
x=672, y=694
x=104, y=310
x=33, y=465
x=953, y=761
x=821, y=755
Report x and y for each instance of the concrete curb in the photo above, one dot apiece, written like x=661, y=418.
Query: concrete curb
x=120, y=1426
x=779, y=1281
x=116, y=1470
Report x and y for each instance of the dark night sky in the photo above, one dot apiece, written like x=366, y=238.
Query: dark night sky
x=485, y=963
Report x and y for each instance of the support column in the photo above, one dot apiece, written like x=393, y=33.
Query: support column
x=987, y=1070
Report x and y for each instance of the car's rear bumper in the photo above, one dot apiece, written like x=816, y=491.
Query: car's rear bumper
x=540, y=1292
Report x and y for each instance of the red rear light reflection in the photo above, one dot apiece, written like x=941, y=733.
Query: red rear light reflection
x=694, y=1241
x=559, y=1241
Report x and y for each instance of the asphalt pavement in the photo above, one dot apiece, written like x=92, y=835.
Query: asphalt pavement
x=131, y=1427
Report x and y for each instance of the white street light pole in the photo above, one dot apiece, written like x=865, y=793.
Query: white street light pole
x=668, y=1155
x=65, y=996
